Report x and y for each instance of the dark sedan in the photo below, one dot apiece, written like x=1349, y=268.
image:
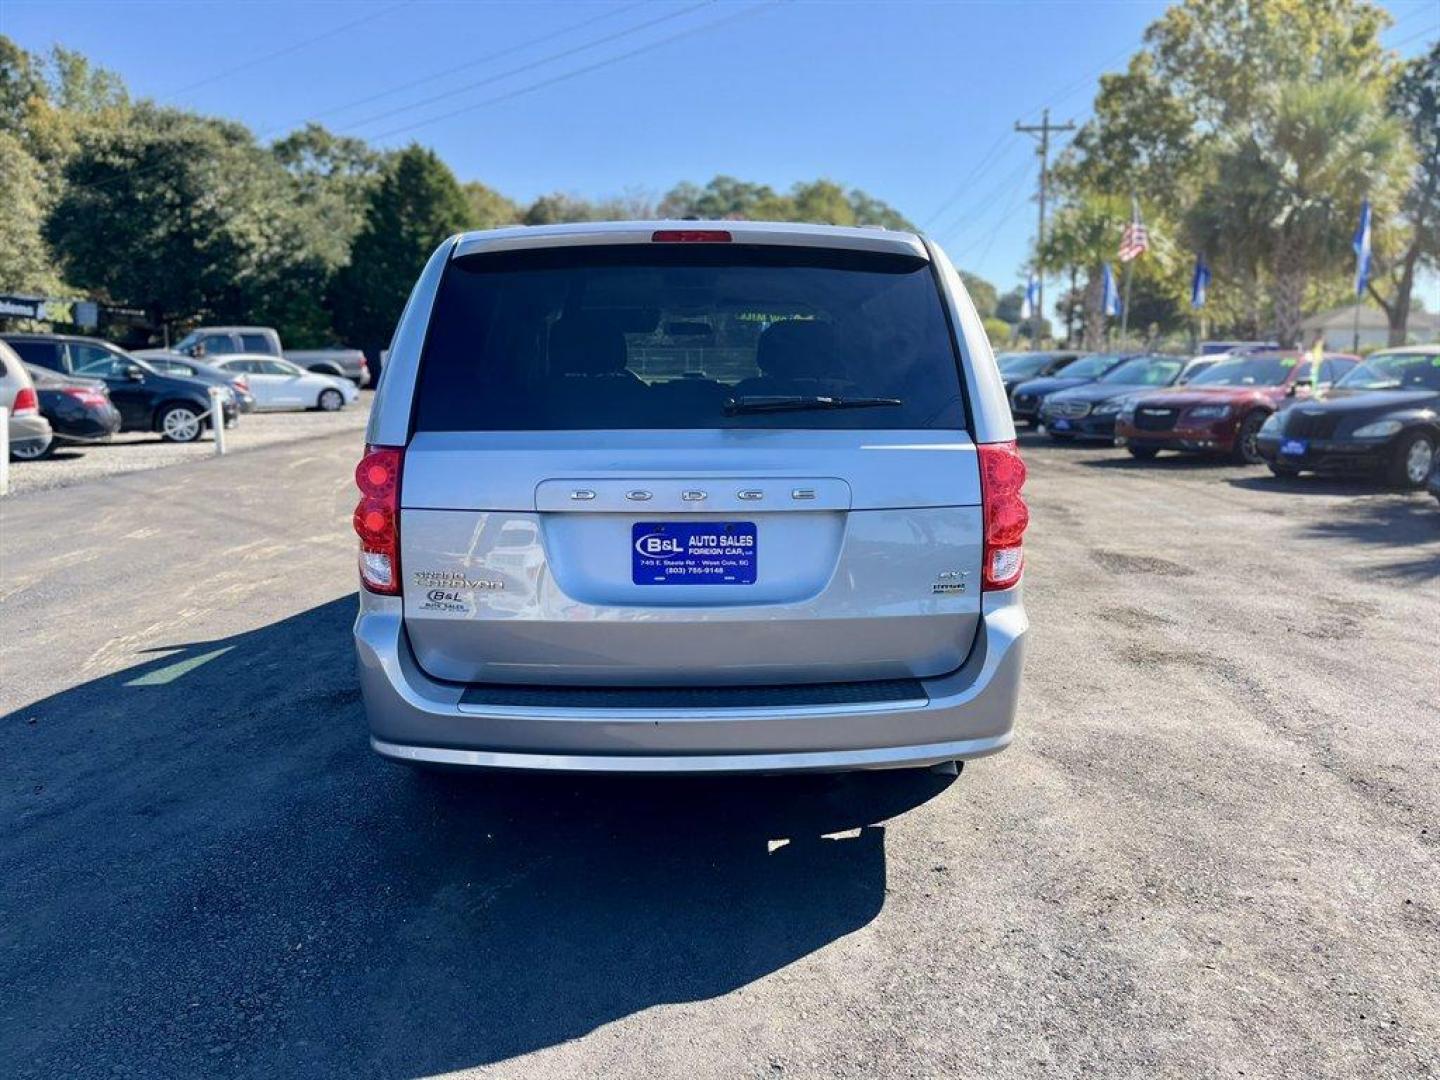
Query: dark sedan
x=1016, y=368
x=1089, y=411
x=1382, y=419
x=1026, y=398
x=173, y=363
x=79, y=410
x=176, y=406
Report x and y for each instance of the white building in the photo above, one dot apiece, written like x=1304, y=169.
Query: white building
x=1338, y=325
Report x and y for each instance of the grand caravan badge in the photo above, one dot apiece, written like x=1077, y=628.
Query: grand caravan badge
x=454, y=579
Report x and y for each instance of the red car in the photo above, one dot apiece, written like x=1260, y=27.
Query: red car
x=1221, y=410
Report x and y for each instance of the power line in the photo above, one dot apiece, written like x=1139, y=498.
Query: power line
x=1053, y=98
x=530, y=66
x=961, y=188
x=286, y=51
x=169, y=159
x=989, y=196
x=479, y=61
x=597, y=65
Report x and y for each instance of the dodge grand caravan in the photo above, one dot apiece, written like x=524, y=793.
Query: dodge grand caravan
x=690, y=497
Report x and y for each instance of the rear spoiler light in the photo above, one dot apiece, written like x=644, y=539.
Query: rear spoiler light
x=691, y=236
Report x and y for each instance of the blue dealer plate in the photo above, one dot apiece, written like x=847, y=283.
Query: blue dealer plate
x=1060, y=425
x=1294, y=447
x=699, y=553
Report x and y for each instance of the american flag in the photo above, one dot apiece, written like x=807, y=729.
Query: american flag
x=1136, y=240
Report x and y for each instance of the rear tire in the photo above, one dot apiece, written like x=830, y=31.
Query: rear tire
x=330, y=401
x=31, y=451
x=1143, y=453
x=1284, y=472
x=1247, y=448
x=181, y=424
x=1412, y=461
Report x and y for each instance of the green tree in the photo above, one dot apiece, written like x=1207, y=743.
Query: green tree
x=488, y=208
x=982, y=293
x=332, y=177
x=1224, y=58
x=1308, y=164
x=415, y=205
x=185, y=216
x=25, y=261
x=1413, y=240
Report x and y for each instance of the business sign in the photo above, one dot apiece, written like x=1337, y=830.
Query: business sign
x=24, y=307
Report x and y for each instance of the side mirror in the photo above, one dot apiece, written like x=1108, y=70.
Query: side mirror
x=134, y=374
x=1297, y=386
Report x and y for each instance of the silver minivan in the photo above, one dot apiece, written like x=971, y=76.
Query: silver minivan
x=690, y=497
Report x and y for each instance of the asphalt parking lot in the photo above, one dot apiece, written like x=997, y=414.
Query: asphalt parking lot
x=1212, y=850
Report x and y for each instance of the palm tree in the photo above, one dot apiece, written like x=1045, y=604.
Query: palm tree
x=1288, y=187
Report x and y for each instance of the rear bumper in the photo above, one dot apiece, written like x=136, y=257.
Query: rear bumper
x=966, y=714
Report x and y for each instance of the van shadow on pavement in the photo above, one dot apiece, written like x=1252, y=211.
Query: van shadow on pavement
x=208, y=873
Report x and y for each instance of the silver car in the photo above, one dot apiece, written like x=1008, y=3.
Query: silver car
x=690, y=497
x=30, y=433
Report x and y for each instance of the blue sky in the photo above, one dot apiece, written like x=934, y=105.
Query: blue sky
x=913, y=102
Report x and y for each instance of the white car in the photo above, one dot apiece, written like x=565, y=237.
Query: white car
x=279, y=384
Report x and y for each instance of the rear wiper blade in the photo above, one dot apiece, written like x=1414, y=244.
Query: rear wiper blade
x=757, y=403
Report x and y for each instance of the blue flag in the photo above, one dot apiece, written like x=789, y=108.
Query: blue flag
x=1110, y=304
x=1029, y=305
x=1200, y=282
x=1361, y=245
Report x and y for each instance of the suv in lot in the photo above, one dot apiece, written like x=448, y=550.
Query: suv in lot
x=699, y=497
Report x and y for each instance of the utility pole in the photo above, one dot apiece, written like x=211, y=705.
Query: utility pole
x=1043, y=131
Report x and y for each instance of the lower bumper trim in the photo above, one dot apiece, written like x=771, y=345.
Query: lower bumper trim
x=888, y=757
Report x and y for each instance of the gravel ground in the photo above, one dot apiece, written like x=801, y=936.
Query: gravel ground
x=1211, y=851
x=136, y=451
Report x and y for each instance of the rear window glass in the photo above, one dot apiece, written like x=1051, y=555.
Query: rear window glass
x=660, y=336
x=1146, y=371
x=1249, y=371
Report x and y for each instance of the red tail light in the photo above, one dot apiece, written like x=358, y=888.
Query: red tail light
x=25, y=402
x=86, y=396
x=377, y=518
x=690, y=236
x=1002, y=475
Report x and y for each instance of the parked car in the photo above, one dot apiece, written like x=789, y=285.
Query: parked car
x=30, y=432
x=1433, y=484
x=279, y=384
x=1382, y=418
x=178, y=407
x=1026, y=397
x=1228, y=348
x=79, y=410
x=211, y=342
x=1016, y=368
x=173, y=363
x=1221, y=409
x=1090, y=411
x=749, y=559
